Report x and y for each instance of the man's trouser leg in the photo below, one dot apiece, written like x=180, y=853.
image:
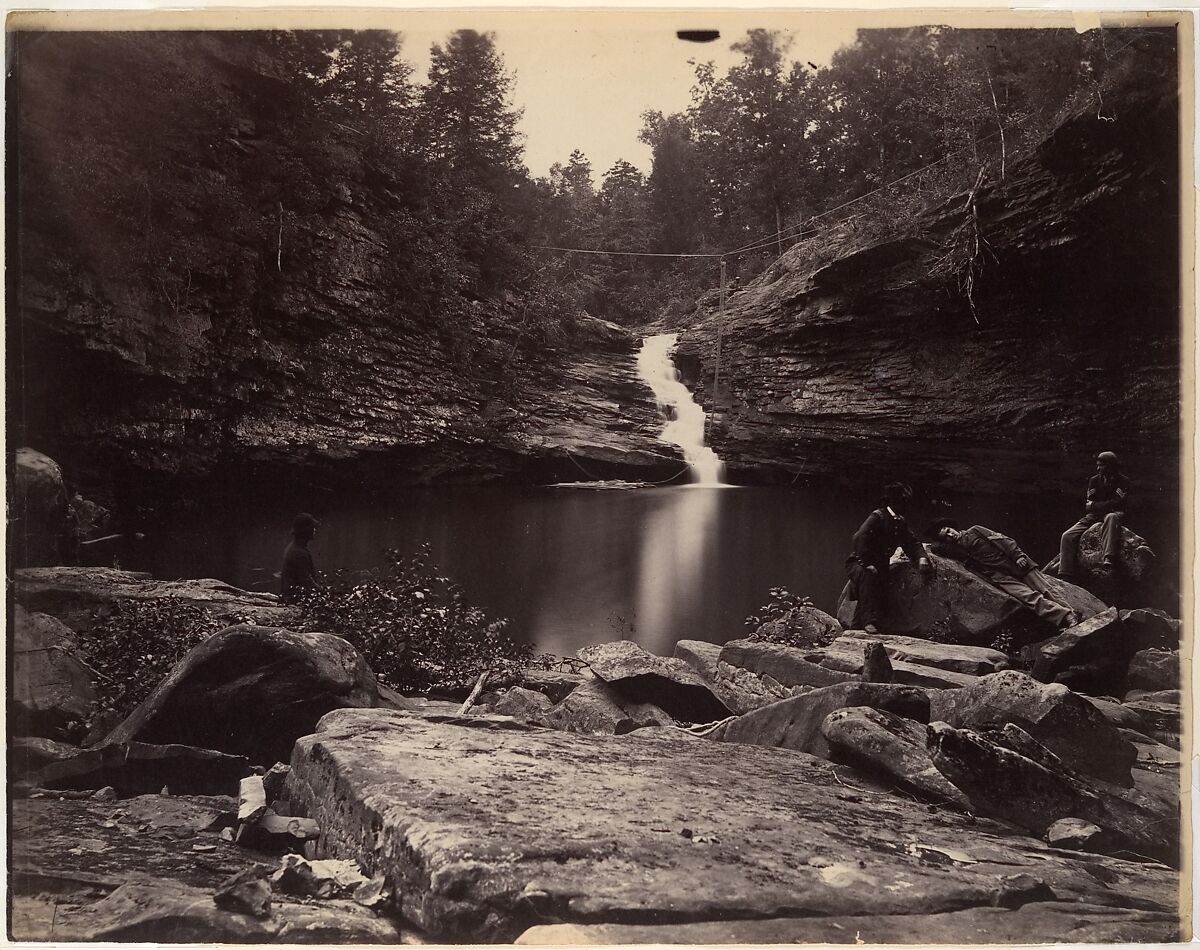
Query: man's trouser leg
x=1111, y=533
x=869, y=592
x=1068, y=548
x=1039, y=603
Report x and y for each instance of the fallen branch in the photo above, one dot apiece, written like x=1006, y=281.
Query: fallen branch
x=474, y=693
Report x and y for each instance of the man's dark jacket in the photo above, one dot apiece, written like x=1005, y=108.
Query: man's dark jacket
x=878, y=538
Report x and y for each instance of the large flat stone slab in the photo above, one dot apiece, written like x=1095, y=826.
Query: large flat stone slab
x=73, y=594
x=486, y=827
x=1081, y=923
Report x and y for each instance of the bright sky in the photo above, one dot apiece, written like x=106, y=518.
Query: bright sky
x=584, y=79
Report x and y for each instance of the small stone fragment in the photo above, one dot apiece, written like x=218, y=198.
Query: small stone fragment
x=371, y=893
x=297, y=875
x=247, y=892
x=106, y=794
x=1076, y=834
x=252, y=798
x=274, y=780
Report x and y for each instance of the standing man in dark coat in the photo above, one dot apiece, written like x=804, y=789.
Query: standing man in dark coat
x=1107, y=495
x=1000, y=560
x=874, y=543
x=299, y=572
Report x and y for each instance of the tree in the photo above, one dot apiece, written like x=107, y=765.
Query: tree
x=466, y=119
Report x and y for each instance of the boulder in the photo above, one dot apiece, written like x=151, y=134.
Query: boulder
x=1034, y=792
x=40, y=523
x=1159, y=717
x=137, y=768
x=846, y=655
x=523, y=704
x=1060, y=720
x=740, y=690
x=1078, y=835
x=74, y=595
x=50, y=688
x=1136, y=558
x=891, y=746
x=252, y=691
x=1099, y=637
x=955, y=657
x=642, y=677
x=595, y=708
x=553, y=683
x=482, y=832
x=999, y=925
x=803, y=626
x=785, y=665
x=27, y=754
x=1146, y=629
x=955, y=605
x=1115, y=712
x=796, y=723
x=1153, y=670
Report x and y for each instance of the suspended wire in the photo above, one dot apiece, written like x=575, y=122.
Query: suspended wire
x=584, y=250
x=774, y=237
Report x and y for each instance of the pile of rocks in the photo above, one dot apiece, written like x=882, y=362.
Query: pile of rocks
x=835, y=783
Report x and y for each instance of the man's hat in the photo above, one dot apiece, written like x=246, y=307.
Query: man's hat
x=897, y=491
x=1110, y=458
x=303, y=522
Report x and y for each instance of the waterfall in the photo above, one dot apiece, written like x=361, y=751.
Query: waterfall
x=686, y=429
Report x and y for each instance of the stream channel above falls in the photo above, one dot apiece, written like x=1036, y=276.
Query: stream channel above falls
x=572, y=566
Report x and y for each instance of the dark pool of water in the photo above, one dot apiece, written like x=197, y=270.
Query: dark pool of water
x=572, y=567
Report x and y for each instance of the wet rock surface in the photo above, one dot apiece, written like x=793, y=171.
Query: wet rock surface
x=483, y=828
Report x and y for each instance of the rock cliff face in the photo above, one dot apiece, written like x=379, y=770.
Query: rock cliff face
x=853, y=358
x=196, y=290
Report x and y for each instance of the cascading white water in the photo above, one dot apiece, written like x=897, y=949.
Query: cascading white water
x=686, y=430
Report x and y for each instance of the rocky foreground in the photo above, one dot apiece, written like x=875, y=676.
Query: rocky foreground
x=810, y=783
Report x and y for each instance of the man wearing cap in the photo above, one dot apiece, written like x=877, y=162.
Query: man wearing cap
x=299, y=572
x=1107, y=495
x=874, y=543
x=1000, y=560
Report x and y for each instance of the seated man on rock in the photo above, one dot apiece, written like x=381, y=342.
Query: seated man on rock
x=1001, y=561
x=1107, y=495
x=874, y=544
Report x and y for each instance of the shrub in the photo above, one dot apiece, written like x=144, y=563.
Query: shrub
x=135, y=643
x=415, y=627
x=782, y=601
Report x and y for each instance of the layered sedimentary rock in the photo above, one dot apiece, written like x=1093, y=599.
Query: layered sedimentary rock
x=861, y=356
x=207, y=278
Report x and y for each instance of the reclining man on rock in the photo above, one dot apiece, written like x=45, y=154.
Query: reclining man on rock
x=1000, y=560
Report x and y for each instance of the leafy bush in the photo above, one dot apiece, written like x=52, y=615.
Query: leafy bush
x=782, y=601
x=134, y=643
x=415, y=627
